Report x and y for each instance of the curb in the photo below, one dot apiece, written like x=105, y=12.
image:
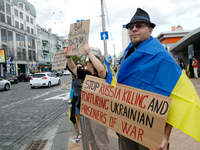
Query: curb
x=62, y=135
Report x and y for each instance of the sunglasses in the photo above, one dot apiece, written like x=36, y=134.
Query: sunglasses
x=138, y=26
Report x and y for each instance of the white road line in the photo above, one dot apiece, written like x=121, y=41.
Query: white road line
x=64, y=97
x=31, y=98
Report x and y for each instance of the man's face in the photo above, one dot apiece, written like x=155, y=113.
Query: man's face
x=139, y=32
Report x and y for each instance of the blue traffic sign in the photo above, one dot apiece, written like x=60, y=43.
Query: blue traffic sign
x=104, y=35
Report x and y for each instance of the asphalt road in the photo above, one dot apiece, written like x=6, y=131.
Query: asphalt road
x=27, y=114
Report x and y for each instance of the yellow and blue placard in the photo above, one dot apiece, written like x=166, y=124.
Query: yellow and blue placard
x=111, y=77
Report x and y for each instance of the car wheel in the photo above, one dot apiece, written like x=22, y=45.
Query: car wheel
x=59, y=82
x=6, y=87
x=32, y=87
x=49, y=84
x=16, y=82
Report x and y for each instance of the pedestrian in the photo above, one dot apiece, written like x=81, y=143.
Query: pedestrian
x=195, y=66
x=96, y=133
x=191, y=69
x=77, y=84
x=181, y=63
x=140, y=64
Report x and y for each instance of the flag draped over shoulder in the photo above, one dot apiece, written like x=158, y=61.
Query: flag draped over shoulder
x=152, y=68
x=111, y=78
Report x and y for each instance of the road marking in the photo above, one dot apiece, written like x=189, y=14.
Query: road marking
x=31, y=98
x=64, y=97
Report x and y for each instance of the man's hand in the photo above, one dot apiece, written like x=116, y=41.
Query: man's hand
x=87, y=49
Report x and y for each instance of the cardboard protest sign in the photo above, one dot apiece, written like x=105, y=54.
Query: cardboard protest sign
x=59, y=61
x=65, y=87
x=78, y=37
x=136, y=114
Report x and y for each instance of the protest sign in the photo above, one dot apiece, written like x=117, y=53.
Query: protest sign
x=65, y=87
x=59, y=61
x=136, y=114
x=78, y=37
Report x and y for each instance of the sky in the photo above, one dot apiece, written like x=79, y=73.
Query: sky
x=59, y=14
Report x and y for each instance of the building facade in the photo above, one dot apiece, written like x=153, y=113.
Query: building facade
x=18, y=36
x=170, y=38
x=47, y=44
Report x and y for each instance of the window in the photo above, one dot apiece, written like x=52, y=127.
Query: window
x=9, y=20
x=33, y=43
x=2, y=17
x=18, y=39
x=8, y=10
x=16, y=12
x=16, y=24
x=19, y=53
x=23, y=40
x=32, y=31
x=29, y=43
x=26, y=8
x=27, y=18
x=3, y=35
x=2, y=5
x=28, y=29
x=8, y=1
x=11, y=52
x=21, y=5
x=31, y=20
x=21, y=15
x=29, y=55
x=10, y=37
x=24, y=54
x=21, y=26
x=34, y=58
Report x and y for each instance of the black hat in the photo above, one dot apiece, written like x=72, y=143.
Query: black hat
x=141, y=16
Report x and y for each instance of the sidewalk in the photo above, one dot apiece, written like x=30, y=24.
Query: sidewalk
x=178, y=139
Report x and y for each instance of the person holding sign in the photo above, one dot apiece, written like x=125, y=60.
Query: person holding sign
x=137, y=67
x=96, y=133
x=77, y=84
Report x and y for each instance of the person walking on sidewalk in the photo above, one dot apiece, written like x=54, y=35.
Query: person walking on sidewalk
x=195, y=66
x=139, y=67
x=96, y=133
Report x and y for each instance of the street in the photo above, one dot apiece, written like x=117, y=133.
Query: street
x=26, y=114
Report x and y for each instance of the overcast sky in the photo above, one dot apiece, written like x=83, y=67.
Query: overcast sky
x=59, y=14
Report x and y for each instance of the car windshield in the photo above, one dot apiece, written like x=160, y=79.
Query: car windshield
x=39, y=75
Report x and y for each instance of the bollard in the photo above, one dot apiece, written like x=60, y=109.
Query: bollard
x=84, y=133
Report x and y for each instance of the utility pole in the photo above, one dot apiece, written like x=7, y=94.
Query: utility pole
x=104, y=29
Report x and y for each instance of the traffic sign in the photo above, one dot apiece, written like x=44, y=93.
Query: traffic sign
x=104, y=35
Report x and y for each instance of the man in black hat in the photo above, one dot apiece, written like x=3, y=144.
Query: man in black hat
x=134, y=64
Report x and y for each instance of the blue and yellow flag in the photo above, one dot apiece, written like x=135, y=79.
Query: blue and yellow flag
x=150, y=67
x=111, y=78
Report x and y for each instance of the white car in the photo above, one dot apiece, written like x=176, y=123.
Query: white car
x=4, y=84
x=66, y=72
x=44, y=79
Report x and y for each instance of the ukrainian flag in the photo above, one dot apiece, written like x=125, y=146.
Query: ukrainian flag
x=111, y=78
x=152, y=68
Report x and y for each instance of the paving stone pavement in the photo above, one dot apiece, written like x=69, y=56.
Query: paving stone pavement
x=26, y=115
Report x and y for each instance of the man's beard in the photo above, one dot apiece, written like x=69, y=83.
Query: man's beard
x=136, y=43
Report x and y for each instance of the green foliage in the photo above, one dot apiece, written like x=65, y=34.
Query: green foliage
x=76, y=58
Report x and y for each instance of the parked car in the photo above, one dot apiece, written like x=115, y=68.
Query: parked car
x=66, y=72
x=58, y=73
x=4, y=84
x=44, y=79
x=24, y=77
x=11, y=78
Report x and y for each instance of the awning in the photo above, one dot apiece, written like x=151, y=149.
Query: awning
x=191, y=38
